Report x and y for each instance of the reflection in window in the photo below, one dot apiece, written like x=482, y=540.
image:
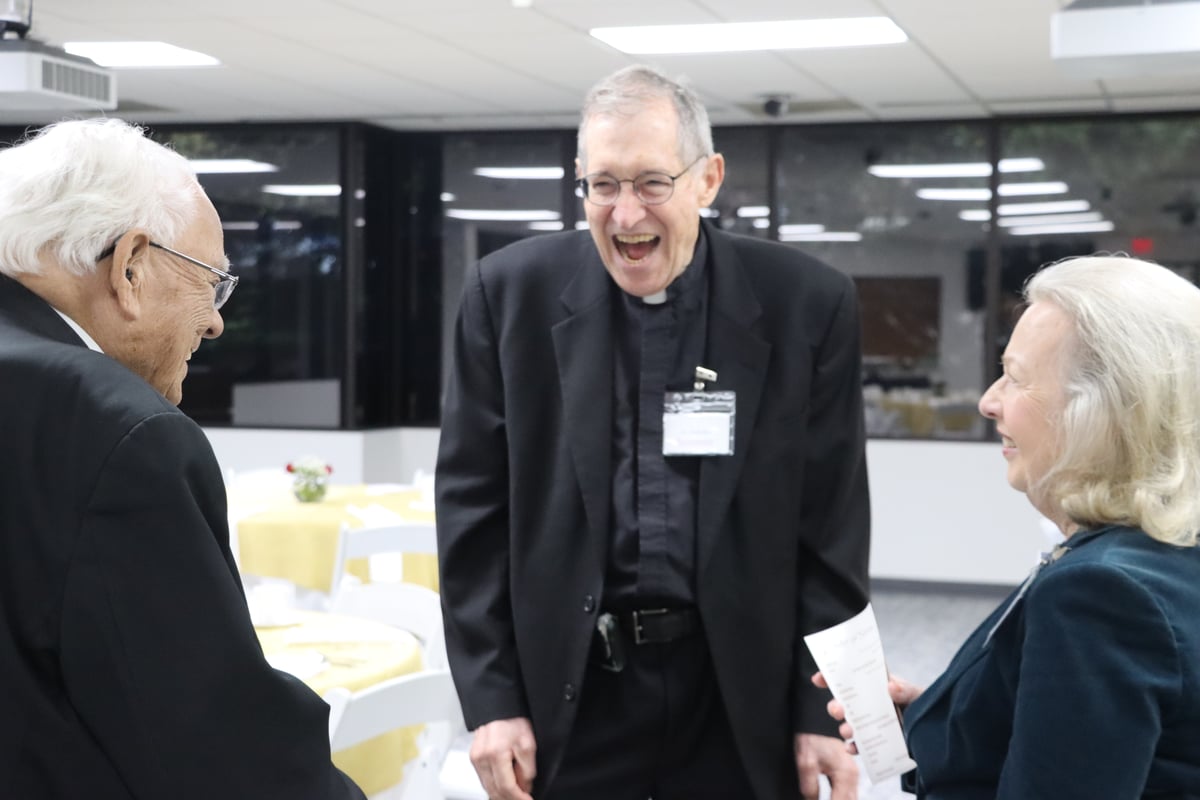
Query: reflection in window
x=743, y=204
x=499, y=188
x=868, y=199
x=1132, y=187
x=278, y=195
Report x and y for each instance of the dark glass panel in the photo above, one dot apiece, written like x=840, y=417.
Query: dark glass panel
x=910, y=254
x=284, y=237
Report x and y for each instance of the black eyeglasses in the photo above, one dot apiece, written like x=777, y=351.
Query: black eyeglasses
x=652, y=188
x=221, y=290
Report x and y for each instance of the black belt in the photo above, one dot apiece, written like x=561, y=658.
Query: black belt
x=644, y=626
x=657, y=625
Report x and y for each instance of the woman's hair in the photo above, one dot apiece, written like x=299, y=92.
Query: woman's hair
x=630, y=90
x=72, y=189
x=1131, y=424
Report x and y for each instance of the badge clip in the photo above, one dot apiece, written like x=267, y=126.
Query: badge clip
x=704, y=374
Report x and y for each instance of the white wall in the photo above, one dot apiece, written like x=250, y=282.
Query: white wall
x=941, y=511
x=390, y=455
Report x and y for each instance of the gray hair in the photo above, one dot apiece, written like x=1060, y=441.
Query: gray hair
x=629, y=90
x=1131, y=425
x=69, y=191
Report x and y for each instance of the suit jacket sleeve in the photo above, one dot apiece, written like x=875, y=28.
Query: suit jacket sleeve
x=158, y=655
x=472, y=520
x=1099, y=663
x=832, y=584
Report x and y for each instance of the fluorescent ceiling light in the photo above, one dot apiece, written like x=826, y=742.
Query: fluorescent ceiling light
x=217, y=166
x=1078, y=227
x=709, y=213
x=749, y=212
x=794, y=228
x=253, y=225
x=546, y=225
x=1032, y=187
x=825, y=236
x=521, y=173
x=139, y=54
x=1059, y=210
x=303, y=190
x=967, y=169
x=581, y=225
x=502, y=215
x=1056, y=207
x=730, y=37
x=982, y=215
x=448, y=197
x=972, y=195
x=761, y=224
x=1005, y=190
x=1051, y=219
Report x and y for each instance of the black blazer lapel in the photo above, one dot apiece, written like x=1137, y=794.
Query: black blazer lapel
x=740, y=357
x=584, y=354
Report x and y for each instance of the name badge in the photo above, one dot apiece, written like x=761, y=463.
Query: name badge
x=699, y=423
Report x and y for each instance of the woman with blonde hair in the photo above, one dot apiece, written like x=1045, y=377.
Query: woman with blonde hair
x=1086, y=682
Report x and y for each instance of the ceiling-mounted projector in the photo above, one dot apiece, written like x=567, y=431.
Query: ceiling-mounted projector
x=1121, y=38
x=34, y=76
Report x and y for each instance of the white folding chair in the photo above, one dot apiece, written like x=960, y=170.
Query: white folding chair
x=404, y=605
x=422, y=698
x=401, y=537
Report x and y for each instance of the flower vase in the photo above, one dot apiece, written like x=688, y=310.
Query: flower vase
x=310, y=488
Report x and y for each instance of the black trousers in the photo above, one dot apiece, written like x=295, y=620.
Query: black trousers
x=657, y=729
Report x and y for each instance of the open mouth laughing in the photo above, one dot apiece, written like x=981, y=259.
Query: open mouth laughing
x=635, y=247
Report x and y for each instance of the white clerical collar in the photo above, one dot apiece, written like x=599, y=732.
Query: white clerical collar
x=88, y=340
x=656, y=299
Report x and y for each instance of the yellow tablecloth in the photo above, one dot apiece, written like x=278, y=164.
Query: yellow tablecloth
x=298, y=541
x=359, y=653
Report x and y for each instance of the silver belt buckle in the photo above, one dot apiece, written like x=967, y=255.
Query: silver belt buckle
x=637, y=621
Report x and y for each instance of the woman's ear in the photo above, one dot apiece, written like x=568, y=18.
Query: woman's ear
x=126, y=276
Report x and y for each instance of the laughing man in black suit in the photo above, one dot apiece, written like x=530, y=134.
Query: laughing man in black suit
x=624, y=605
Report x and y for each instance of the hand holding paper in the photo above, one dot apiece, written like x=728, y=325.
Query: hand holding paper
x=850, y=657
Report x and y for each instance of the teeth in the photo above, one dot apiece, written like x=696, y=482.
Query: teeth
x=635, y=238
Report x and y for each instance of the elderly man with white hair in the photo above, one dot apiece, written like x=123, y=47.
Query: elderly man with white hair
x=128, y=664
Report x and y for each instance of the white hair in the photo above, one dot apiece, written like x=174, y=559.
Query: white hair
x=629, y=90
x=1131, y=425
x=72, y=189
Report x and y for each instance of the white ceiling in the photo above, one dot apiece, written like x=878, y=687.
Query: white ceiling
x=472, y=64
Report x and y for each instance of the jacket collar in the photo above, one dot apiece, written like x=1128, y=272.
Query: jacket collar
x=30, y=312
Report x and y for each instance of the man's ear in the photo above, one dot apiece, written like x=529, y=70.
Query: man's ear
x=127, y=273
x=714, y=176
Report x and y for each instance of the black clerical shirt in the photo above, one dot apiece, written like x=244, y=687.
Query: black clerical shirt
x=657, y=347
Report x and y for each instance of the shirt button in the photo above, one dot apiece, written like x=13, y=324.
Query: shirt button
x=568, y=692
x=589, y=604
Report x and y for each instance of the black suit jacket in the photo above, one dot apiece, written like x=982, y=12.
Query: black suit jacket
x=524, y=487
x=128, y=664
x=1089, y=686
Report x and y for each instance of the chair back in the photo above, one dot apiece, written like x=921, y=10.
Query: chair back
x=418, y=699
x=400, y=537
x=404, y=605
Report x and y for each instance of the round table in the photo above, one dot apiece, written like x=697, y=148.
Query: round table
x=355, y=654
x=284, y=538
